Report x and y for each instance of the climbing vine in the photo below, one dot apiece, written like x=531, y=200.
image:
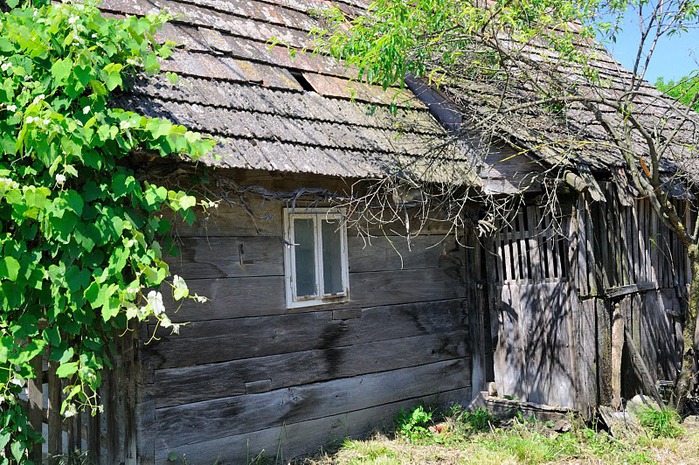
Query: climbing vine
x=80, y=255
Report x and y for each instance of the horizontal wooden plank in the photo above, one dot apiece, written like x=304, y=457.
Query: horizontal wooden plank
x=199, y=383
x=192, y=423
x=395, y=253
x=287, y=441
x=228, y=257
x=231, y=298
x=265, y=295
x=404, y=286
x=225, y=340
x=621, y=291
x=256, y=218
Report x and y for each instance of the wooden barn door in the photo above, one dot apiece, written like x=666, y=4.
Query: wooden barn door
x=531, y=309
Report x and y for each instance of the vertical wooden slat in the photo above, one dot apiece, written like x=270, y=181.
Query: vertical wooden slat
x=634, y=243
x=604, y=353
x=622, y=244
x=523, y=246
x=647, y=235
x=595, y=271
x=643, y=238
x=497, y=260
x=35, y=397
x=611, y=257
x=581, y=257
x=654, y=255
x=93, y=436
x=534, y=256
x=129, y=392
x=111, y=406
x=70, y=433
x=514, y=244
x=507, y=257
x=74, y=435
x=145, y=400
x=550, y=251
x=617, y=349
x=55, y=439
x=587, y=336
x=689, y=226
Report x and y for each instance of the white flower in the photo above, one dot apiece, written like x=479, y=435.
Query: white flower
x=31, y=119
x=155, y=301
x=73, y=19
x=5, y=66
x=39, y=98
x=60, y=179
x=200, y=298
x=175, y=328
x=46, y=121
x=70, y=411
x=86, y=110
x=12, y=108
x=178, y=282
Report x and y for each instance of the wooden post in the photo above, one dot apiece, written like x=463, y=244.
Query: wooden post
x=128, y=391
x=54, y=442
x=35, y=396
x=93, y=436
x=145, y=420
x=617, y=349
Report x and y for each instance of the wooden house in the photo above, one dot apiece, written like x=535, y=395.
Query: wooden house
x=324, y=321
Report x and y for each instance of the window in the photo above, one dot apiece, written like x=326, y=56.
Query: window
x=315, y=257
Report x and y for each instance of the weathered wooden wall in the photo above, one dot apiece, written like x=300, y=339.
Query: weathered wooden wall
x=566, y=298
x=635, y=270
x=533, y=311
x=248, y=375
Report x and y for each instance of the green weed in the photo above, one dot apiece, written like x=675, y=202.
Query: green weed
x=413, y=424
x=660, y=423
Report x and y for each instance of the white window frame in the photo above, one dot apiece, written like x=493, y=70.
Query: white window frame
x=316, y=215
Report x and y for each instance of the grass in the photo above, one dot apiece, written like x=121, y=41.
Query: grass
x=478, y=438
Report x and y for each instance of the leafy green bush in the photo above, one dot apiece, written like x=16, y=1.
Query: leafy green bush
x=81, y=256
x=413, y=424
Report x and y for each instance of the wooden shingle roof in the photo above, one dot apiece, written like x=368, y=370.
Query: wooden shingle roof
x=573, y=136
x=272, y=111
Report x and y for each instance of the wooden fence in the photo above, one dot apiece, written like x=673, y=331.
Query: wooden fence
x=108, y=436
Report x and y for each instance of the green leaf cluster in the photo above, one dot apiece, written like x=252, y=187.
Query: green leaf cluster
x=79, y=251
x=436, y=37
x=684, y=90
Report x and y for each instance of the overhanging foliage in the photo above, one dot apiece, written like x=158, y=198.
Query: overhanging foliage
x=80, y=256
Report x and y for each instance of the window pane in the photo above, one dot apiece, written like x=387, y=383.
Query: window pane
x=305, y=258
x=332, y=258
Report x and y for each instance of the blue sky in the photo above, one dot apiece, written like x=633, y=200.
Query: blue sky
x=673, y=58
